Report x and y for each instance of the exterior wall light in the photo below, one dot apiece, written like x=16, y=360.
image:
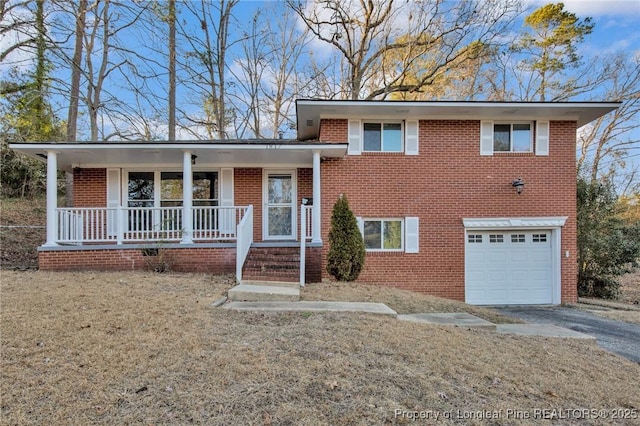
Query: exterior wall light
x=193, y=159
x=518, y=184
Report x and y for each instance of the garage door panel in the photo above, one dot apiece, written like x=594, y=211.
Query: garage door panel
x=520, y=275
x=540, y=256
x=497, y=256
x=497, y=276
x=500, y=296
x=514, y=269
x=518, y=256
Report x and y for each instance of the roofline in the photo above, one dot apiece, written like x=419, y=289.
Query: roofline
x=53, y=146
x=457, y=103
x=310, y=112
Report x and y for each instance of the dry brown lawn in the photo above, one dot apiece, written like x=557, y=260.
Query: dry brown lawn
x=144, y=348
x=619, y=315
x=402, y=301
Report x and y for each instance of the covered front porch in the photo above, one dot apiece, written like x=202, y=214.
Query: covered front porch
x=197, y=195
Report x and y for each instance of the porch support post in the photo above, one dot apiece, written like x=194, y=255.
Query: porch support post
x=187, y=199
x=52, y=198
x=315, y=230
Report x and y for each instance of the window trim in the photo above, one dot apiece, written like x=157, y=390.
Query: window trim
x=157, y=184
x=382, y=220
x=364, y=122
x=511, y=124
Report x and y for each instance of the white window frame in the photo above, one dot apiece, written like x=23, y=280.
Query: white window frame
x=382, y=123
x=382, y=220
x=511, y=124
x=157, y=182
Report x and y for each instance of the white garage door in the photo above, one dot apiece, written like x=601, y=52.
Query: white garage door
x=508, y=268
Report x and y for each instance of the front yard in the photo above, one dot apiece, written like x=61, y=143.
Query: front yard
x=119, y=348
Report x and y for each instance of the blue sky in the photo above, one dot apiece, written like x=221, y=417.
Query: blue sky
x=617, y=24
x=617, y=21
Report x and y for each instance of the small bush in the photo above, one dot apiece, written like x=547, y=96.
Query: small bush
x=346, y=247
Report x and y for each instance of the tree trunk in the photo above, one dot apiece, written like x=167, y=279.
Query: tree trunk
x=172, y=69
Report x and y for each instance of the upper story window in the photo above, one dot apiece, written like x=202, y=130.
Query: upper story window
x=372, y=135
x=512, y=137
x=516, y=137
x=382, y=137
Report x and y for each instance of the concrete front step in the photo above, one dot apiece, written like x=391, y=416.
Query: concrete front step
x=262, y=293
x=285, y=276
x=289, y=284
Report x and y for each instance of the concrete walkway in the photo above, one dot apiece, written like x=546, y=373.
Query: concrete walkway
x=452, y=319
x=309, y=306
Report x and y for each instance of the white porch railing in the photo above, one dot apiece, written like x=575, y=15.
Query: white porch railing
x=79, y=225
x=306, y=233
x=244, y=241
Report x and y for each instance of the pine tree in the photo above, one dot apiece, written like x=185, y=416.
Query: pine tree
x=346, y=247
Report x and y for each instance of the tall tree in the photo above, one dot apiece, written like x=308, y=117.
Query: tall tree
x=459, y=81
x=76, y=71
x=171, y=22
x=17, y=21
x=363, y=33
x=606, y=145
x=271, y=74
x=207, y=62
x=607, y=246
x=549, y=45
x=28, y=117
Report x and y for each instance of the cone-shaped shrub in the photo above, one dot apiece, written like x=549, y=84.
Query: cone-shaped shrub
x=346, y=247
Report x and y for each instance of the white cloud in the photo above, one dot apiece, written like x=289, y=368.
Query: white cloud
x=595, y=8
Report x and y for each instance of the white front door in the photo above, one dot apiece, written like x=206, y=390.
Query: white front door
x=279, y=205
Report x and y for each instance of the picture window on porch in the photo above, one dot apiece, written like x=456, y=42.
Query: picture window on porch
x=205, y=189
x=141, y=189
x=141, y=192
x=383, y=137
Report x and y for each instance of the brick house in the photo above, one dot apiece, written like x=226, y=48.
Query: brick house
x=474, y=201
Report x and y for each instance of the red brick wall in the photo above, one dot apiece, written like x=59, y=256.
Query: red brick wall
x=447, y=182
x=248, y=190
x=333, y=130
x=210, y=260
x=89, y=187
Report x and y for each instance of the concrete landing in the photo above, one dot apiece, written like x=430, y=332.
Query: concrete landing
x=310, y=306
x=544, y=330
x=458, y=319
x=254, y=293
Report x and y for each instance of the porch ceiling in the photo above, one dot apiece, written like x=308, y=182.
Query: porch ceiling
x=272, y=153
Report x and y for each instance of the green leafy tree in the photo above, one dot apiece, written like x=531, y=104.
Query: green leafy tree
x=550, y=47
x=27, y=116
x=346, y=247
x=608, y=246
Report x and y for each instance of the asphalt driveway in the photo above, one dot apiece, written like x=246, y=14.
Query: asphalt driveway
x=615, y=336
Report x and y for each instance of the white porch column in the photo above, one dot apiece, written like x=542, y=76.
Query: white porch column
x=315, y=230
x=52, y=198
x=187, y=199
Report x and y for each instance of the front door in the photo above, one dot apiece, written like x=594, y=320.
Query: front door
x=279, y=195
